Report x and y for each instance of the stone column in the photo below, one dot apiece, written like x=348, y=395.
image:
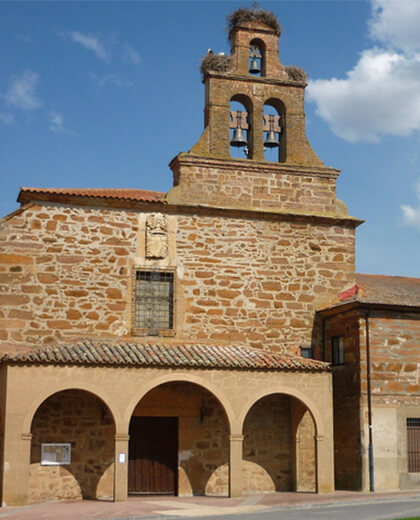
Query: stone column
x=235, y=465
x=121, y=468
x=16, y=460
x=324, y=464
x=257, y=130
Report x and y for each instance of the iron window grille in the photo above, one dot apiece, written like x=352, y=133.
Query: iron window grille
x=154, y=301
x=337, y=343
x=413, y=445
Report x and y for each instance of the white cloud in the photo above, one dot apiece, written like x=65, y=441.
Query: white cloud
x=411, y=216
x=91, y=43
x=21, y=91
x=381, y=94
x=396, y=23
x=130, y=55
x=56, y=122
x=112, y=79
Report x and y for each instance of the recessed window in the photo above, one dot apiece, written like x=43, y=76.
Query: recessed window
x=337, y=344
x=306, y=352
x=413, y=445
x=153, y=305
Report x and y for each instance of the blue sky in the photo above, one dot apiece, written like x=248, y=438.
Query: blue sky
x=105, y=94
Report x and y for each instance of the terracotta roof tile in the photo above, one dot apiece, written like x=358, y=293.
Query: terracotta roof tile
x=148, y=354
x=27, y=194
x=384, y=290
x=390, y=290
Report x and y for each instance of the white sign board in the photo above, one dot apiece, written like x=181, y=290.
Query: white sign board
x=54, y=454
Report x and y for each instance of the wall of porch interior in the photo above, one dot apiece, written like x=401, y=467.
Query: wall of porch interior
x=279, y=446
x=79, y=418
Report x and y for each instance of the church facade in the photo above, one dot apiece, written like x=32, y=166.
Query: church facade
x=182, y=343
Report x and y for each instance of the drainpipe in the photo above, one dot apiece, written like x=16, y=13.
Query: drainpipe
x=371, y=463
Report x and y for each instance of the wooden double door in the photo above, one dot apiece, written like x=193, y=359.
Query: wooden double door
x=153, y=455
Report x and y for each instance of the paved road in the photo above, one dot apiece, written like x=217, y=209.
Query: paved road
x=389, y=510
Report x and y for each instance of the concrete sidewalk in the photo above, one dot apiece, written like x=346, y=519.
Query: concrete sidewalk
x=185, y=507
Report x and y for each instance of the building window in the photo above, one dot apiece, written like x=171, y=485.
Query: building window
x=413, y=445
x=337, y=343
x=306, y=352
x=153, y=306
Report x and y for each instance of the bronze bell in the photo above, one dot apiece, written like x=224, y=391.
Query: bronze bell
x=255, y=67
x=271, y=140
x=238, y=138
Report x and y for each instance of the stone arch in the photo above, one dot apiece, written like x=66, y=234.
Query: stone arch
x=87, y=387
x=244, y=125
x=81, y=422
x=286, y=390
x=280, y=108
x=179, y=427
x=181, y=378
x=257, y=43
x=279, y=451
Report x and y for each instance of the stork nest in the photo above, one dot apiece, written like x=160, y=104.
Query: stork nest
x=216, y=63
x=296, y=73
x=256, y=14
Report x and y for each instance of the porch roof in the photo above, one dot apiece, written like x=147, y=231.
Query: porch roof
x=133, y=352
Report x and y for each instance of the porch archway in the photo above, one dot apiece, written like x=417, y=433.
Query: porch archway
x=279, y=448
x=179, y=442
x=80, y=425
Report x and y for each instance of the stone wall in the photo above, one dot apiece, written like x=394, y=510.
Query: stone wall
x=395, y=368
x=268, y=447
x=258, y=281
x=262, y=186
x=81, y=419
x=66, y=272
x=306, y=455
x=347, y=388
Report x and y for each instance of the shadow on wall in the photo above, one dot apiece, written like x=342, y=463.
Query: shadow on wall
x=267, y=446
x=79, y=418
x=203, y=435
x=279, y=446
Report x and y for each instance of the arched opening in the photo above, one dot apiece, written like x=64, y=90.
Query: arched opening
x=240, y=137
x=279, y=446
x=72, y=448
x=274, y=128
x=179, y=442
x=257, y=58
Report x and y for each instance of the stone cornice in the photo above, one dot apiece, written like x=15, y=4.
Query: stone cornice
x=248, y=165
x=208, y=210
x=231, y=76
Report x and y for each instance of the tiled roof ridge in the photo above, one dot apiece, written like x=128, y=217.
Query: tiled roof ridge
x=106, y=193
x=147, y=353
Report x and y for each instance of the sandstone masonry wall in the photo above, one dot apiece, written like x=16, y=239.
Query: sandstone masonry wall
x=81, y=419
x=243, y=184
x=347, y=388
x=395, y=367
x=66, y=272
